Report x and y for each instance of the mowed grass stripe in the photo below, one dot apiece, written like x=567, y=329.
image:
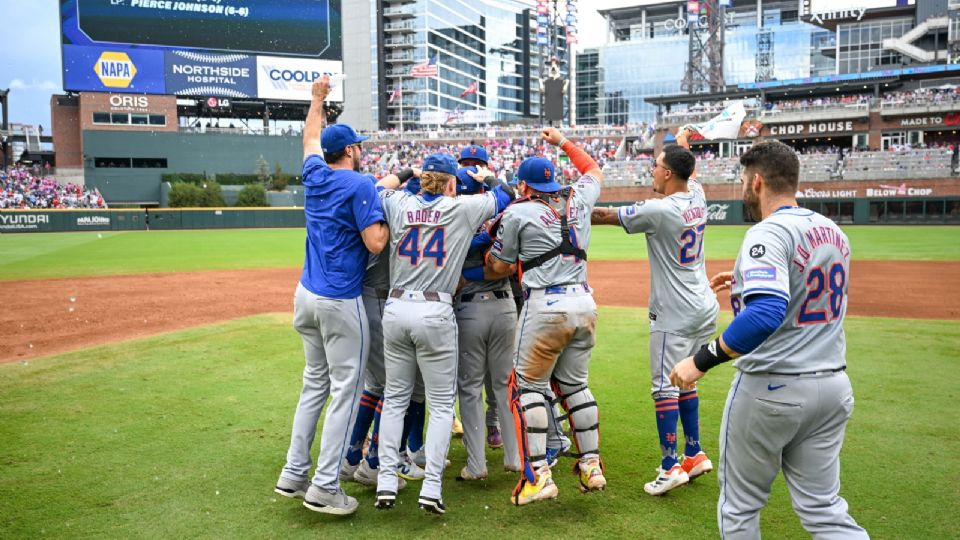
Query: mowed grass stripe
x=42, y=256
x=183, y=435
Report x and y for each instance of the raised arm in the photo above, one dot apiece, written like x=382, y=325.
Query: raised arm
x=316, y=118
x=580, y=159
x=605, y=215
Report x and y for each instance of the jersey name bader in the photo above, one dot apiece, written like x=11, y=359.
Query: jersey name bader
x=425, y=216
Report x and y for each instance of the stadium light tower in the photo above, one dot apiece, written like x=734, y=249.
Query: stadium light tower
x=705, y=23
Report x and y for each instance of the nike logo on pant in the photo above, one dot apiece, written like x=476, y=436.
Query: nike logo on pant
x=771, y=387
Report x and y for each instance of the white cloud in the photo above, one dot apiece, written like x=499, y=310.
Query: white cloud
x=34, y=84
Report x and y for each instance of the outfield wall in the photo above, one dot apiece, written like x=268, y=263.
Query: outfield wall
x=900, y=211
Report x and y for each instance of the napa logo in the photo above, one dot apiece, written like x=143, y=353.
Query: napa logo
x=115, y=69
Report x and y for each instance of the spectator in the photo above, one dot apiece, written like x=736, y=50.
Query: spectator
x=19, y=188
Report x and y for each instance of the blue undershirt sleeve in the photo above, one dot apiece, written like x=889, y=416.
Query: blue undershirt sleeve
x=763, y=314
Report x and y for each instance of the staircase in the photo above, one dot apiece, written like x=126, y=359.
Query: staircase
x=904, y=44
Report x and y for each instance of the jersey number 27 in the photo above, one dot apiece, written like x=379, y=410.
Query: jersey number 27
x=433, y=248
x=692, y=247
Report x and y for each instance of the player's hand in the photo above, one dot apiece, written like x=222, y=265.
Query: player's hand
x=721, y=282
x=416, y=172
x=687, y=129
x=481, y=174
x=685, y=374
x=321, y=88
x=551, y=135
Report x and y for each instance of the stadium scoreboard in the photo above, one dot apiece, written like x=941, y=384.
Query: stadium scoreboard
x=264, y=49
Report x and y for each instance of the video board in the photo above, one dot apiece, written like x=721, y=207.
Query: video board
x=265, y=49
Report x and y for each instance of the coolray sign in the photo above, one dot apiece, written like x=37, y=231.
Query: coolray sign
x=205, y=74
x=11, y=222
x=93, y=221
x=292, y=78
x=838, y=14
x=952, y=119
x=813, y=128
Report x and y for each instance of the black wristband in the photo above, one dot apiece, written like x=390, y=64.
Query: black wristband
x=490, y=181
x=405, y=175
x=710, y=355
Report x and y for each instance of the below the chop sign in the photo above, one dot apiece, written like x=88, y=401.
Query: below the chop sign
x=813, y=128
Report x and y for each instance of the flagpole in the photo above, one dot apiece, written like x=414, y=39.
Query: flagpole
x=401, y=109
x=477, y=80
x=439, y=107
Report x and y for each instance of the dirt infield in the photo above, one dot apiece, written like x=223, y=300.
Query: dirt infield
x=38, y=318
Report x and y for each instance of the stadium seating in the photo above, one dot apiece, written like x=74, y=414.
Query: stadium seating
x=897, y=165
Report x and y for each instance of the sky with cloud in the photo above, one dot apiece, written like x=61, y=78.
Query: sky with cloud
x=32, y=71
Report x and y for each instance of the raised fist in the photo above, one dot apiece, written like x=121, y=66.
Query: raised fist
x=551, y=135
x=321, y=88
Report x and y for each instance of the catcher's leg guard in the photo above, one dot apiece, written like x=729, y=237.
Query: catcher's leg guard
x=529, y=409
x=584, y=417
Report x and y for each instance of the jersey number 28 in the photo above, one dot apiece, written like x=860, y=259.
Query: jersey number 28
x=817, y=283
x=433, y=248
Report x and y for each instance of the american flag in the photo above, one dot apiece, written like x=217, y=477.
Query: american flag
x=427, y=69
x=395, y=94
x=472, y=89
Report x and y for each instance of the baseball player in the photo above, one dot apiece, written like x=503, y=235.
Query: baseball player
x=683, y=309
x=345, y=223
x=476, y=156
x=547, y=232
x=486, y=323
x=376, y=284
x=430, y=235
x=791, y=398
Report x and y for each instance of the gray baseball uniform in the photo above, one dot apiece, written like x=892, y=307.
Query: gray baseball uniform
x=487, y=322
x=683, y=309
x=557, y=327
x=790, y=401
x=430, y=237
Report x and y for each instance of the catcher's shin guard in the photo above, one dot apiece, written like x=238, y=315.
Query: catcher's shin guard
x=529, y=410
x=582, y=413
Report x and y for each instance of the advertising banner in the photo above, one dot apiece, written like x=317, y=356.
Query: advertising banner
x=205, y=74
x=292, y=78
x=112, y=69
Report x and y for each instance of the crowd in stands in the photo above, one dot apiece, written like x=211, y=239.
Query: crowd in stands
x=22, y=187
x=816, y=102
x=923, y=96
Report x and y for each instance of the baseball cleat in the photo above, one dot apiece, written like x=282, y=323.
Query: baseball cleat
x=408, y=470
x=666, y=480
x=465, y=474
x=337, y=503
x=457, y=426
x=591, y=475
x=365, y=474
x=529, y=492
x=431, y=505
x=696, y=465
x=420, y=458
x=494, y=439
x=385, y=500
x=295, y=489
x=347, y=470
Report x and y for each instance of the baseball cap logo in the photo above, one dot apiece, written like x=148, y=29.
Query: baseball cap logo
x=546, y=173
x=473, y=150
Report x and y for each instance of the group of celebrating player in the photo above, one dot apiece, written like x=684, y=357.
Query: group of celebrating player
x=407, y=301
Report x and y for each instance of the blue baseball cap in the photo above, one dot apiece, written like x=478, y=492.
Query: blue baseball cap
x=473, y=152
x=413, y=185
x=441, y=163
x=539, y=173
x=466, y=185
x=337, y=137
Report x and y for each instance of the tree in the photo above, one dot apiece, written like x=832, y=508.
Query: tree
x=252, y=195
x=185, y=195
x=263, y=170
x=279, y=180
x=212, y=195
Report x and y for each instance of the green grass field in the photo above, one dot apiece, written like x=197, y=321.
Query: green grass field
x=183, y=435
x=41, y=256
